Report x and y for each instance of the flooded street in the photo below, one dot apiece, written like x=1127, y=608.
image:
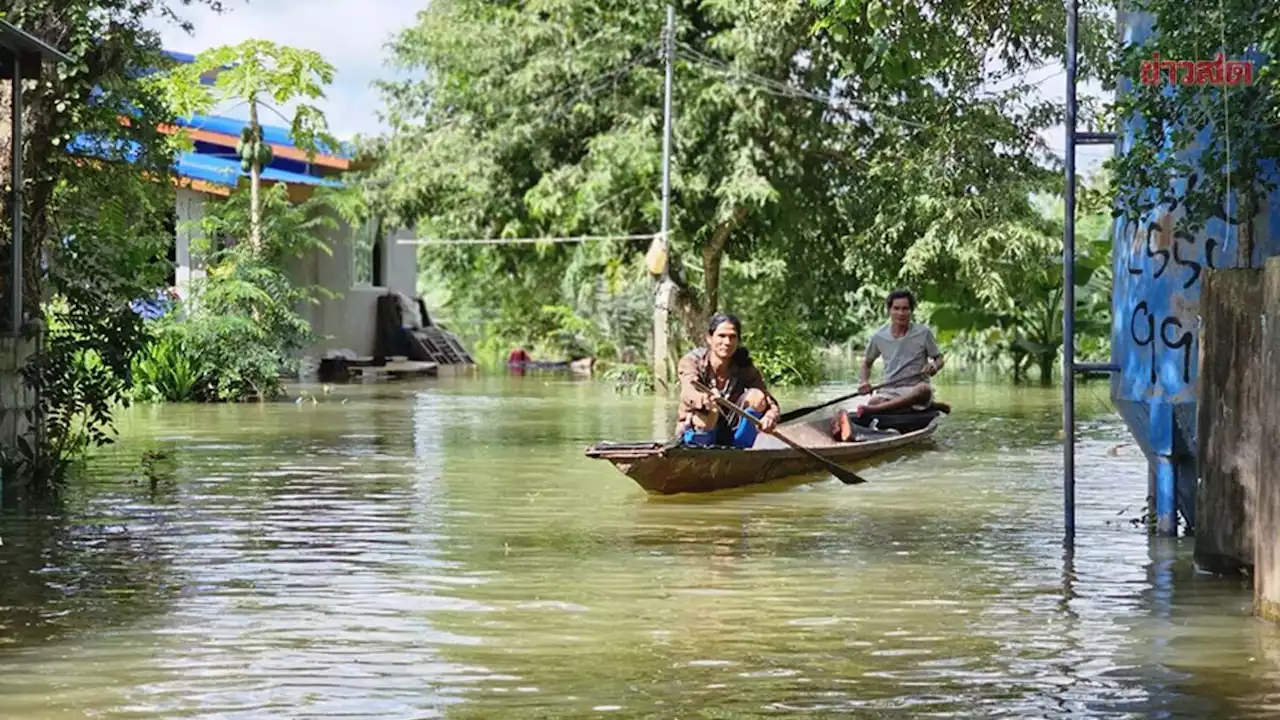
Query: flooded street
x=444, y=549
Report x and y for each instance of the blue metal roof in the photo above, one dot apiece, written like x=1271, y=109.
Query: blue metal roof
x=193, y=165
x=181, y=57
x=104, y=148
x=271, y=133
x=222, y=151
x=226, y=171
x=207, y=162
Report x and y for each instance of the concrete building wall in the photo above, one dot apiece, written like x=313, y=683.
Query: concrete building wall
x=190, y=208
x=1156, y=316
x=346, y=321
x=349, y=321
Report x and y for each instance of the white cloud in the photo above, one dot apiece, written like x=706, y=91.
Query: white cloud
x=350, y=34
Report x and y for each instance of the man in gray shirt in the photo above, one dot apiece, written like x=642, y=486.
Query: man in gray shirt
x=911, y=357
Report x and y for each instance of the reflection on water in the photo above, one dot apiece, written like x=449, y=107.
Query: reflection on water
x=445, y=550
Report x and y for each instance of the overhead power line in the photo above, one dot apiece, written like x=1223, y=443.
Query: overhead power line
x=781, y=89
x=587, y=88
x=525, y=240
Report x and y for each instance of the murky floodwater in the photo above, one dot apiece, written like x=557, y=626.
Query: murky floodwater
x=445, y=550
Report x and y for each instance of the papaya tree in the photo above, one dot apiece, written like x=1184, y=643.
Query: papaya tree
x=250, y=73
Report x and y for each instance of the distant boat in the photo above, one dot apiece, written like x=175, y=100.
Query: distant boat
x=519, y=363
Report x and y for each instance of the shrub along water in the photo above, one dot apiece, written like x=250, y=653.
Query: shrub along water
x=240, y=330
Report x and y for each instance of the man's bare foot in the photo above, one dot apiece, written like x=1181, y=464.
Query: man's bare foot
x=841, y=428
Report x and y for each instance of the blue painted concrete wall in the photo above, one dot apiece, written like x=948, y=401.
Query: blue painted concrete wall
x=1155, y=327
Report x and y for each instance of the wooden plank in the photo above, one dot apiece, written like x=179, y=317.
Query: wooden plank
x=1228, y=422
x=395, y=369
x=1266, y=555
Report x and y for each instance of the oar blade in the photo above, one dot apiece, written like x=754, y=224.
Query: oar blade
x=847, y=477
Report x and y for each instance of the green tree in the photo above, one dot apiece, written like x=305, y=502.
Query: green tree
x=950, y=144
x=535, y=122
x=96, y=205
x=250, y=73
x=1172, y=117
x=1014, y=281
x=831, y=140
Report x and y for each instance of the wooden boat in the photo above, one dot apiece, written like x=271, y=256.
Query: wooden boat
x=667, y=469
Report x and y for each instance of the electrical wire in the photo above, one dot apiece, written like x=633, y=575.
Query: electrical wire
x=525, y=240
x=781, y=89
x=594, y=86
x=602, y=81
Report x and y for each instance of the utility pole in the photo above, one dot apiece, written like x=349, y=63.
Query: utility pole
x=1069, y=293
x=662, y=300
x=1070, y=367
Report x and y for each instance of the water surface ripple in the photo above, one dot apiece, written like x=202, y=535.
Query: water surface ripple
x=444, y=549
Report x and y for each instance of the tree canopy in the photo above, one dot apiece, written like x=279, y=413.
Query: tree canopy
x=251, y=72
x=821, y=148
x=1174, y=120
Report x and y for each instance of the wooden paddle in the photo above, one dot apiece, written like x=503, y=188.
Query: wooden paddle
x=801, y=412
x=846, y=476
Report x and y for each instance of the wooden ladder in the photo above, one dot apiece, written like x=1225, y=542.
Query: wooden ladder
x=431, y=342
x=458, y=347
x=439, y=346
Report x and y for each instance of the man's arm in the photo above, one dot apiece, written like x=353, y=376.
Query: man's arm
x=687, y=371
x=753, y=379
x=933, y=353
x=869, y=359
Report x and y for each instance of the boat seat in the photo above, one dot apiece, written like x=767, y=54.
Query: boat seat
x=902, y=421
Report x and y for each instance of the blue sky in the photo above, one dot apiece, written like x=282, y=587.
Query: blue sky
x=351, y=34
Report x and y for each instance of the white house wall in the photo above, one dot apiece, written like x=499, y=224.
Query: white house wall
x=345, y=322
x=350, y=321
x=400, y=263
x=189, y=209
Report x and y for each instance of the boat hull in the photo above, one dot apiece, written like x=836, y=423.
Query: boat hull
x=667, y=470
